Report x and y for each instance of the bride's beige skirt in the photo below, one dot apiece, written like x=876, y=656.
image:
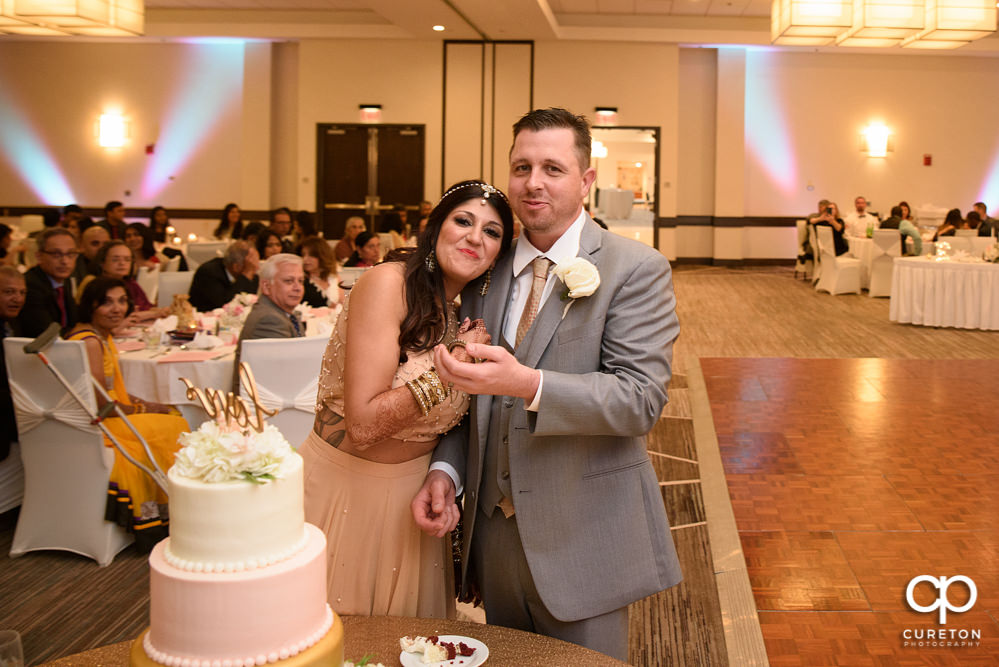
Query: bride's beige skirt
x=379, y=563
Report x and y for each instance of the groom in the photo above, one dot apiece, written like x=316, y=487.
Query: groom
x=564, y=519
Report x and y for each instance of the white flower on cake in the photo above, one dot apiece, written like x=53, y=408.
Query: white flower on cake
x=217, y=453
x=580, y=277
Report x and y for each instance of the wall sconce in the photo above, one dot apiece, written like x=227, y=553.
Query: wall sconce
x=598, y=150
x=112, y=130
x=371, y=113
x=606, y=115
x=875, y=140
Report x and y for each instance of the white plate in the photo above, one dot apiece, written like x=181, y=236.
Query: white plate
x=477, y=658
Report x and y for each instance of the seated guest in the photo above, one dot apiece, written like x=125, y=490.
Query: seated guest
x=71, y=216
x=139, y=240
x=368, y=251
x=829, y=217
x=50, y=293
x=281, y=224
x=906, y=229
x=321, y=284
x=989, y=226
x=158, y=223
x=114, y=220
x=218, y=280
x=282, y=284
x=950, y=224
x=134, y=500
x=8, y=252
x=91, y=240
x=305, y=227
x=12, y=293
x=114, y=260
x=345, y=247
x=231, y=224
x=858, y=220
x=894, y=220
x=252, y=230
x=269, y=244
x=392, y=225
x=907, y=213
x=972, y=221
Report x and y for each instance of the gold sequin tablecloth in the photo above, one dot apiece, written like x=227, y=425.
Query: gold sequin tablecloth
x=379, y=636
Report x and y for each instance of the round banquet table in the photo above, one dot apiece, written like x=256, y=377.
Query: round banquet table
x=379, y=636
x=149, y=377
x=945, y=294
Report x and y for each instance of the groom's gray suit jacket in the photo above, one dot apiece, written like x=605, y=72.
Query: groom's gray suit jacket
x=588, y=505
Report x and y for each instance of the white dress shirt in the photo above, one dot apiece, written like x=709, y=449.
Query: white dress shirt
x=856, y=223
x=564, y=249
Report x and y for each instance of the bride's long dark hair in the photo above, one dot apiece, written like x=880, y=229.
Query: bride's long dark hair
x=425, y=323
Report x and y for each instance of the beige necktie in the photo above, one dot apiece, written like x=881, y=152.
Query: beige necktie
x=540, y=266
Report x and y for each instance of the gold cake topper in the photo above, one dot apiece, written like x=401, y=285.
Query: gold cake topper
x=227, y=408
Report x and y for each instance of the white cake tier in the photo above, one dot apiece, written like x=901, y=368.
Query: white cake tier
x=237, y=525
x=250, y=617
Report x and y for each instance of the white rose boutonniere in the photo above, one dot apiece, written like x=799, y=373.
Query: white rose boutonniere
x=580, y=278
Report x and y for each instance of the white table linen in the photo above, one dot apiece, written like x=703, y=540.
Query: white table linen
x=945, y=293
x=148, y=379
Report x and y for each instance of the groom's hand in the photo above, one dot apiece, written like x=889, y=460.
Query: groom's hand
x=434, y=508
x=498, y=374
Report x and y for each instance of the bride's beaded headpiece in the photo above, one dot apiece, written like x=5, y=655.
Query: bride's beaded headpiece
x=487, y=190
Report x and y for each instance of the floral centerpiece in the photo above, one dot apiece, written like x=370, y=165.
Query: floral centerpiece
x=222, y=452
x=991, y=253
x=233, y=314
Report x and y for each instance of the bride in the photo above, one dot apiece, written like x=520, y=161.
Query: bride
x=381, y=409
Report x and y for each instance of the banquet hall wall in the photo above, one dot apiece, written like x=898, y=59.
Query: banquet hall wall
x=745, y=133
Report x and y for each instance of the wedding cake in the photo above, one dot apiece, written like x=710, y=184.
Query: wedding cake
x=241, y=580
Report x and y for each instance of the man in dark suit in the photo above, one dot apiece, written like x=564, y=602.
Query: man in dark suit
x=91, y=240
x=114, y=220
x=218, y=280
x=564, y=524
x=50, y=292
x=12, y=294
x=281, y=225
x=282, y=286
x=989, y=226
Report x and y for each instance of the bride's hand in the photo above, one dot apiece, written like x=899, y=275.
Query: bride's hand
x=470, y=331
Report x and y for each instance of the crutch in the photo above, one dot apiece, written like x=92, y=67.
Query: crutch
x=42, y=343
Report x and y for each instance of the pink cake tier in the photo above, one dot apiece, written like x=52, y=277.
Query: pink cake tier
x=245, y=618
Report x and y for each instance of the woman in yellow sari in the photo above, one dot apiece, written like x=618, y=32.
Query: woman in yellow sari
x=134, y=500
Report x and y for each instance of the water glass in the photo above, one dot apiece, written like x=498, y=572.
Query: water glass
x=11, y=654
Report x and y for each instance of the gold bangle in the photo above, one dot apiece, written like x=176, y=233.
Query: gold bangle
x=436, y=383
x=433, y=396
x=421, y=400
x=457, y=343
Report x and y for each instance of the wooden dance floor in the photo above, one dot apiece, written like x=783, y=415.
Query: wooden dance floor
x=849, y=477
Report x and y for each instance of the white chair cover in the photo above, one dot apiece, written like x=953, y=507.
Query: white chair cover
x=287, y=374
x=839, y=274
x=813, y=239
x=349, y=274
x=173, y=264
x=199, y=253
x=170, y=283
x=803, y=266
x=965, y=232
x=885, y=248
x=66, y=465
x=11, y=479
x=148, y=280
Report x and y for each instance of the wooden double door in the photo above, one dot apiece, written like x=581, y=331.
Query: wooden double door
x=366, y=170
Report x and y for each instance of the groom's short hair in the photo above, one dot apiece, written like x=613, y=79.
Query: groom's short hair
x=554, y=118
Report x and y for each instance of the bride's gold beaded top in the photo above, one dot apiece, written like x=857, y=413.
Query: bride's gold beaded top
x=442, y=417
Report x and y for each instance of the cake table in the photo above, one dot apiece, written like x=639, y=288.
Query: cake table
x=379, y=636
